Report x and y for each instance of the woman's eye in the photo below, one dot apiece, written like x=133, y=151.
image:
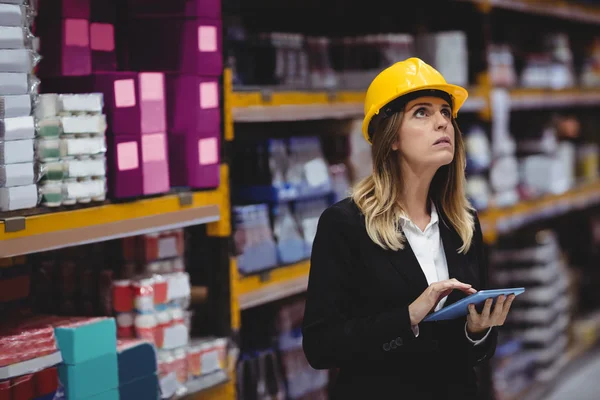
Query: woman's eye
x=421, y=112
x=446, y=112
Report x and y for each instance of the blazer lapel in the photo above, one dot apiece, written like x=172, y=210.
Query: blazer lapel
x=456, y=261
x=406, y=264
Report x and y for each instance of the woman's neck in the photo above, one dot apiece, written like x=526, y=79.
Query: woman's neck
x=415, y=195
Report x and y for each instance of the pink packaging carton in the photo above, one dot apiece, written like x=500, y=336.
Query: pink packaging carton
x=102, y=46
x=155, y=163
x=65, y=47
x=194, y=160
x=177, y=8
x=193, y=103
x=125, y=173
x=133, y=101
x=186, y=46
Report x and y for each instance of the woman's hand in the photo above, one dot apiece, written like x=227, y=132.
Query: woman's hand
x=430, y=298
x=478, y=323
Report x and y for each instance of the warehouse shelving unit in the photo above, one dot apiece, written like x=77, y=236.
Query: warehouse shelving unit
x=271, y=104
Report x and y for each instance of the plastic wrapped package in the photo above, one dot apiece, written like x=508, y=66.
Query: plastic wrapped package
x=15, y=15
x=51, y=105
x=16, y=37
x=83, y=191
x=84, y=124
x=49, y=127
x=18, y=60
x=15, y=106
x=53, y=149
x=17, y=128
x=18, y=174
x=80, y=103
x=16, y=151
x=65, y=169
x=57, y=193
x=13, y=83
x=18, y=198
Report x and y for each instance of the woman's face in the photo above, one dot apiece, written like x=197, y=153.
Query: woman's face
x=426, y=135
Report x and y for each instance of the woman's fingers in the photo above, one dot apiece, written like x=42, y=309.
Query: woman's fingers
x=506, y=307
x=487, y=309
x=498, y=310
x=473, y=313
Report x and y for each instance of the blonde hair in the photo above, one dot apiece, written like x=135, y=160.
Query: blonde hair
x=377, y=195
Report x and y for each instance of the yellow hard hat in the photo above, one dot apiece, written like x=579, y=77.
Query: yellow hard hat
x=405, y=77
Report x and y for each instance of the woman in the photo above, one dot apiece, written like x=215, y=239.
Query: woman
x=405, y=244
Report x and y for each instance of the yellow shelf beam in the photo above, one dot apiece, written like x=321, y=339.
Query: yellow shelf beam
x=528, y=99
x=272, y=285
x=499, y=221
x=268, y=106
x=560, y=9
x=94, y=224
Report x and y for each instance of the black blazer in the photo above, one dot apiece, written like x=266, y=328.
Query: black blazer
x=356, y=318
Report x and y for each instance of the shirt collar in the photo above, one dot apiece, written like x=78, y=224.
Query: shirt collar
x=434, y=217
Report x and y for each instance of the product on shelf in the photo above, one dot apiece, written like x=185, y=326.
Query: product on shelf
x=501, y=65
x=18, y=88
x=253, y=237
x=447, y=52
x=553, y=67
x=280, y=170
x=71, y=148
x=540, y=319
x=136, y=119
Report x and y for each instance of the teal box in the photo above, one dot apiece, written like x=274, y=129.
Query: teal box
x=87, y=341
x=90, y=378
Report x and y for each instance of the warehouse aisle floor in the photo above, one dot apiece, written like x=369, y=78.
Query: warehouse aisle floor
x=581, y=381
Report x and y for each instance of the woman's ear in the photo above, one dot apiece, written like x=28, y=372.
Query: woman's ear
x=395, y=146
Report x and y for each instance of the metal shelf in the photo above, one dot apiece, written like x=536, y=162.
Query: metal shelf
x=272, y=285
x=499, y=221
x=531, y=99
x=56, y=230
x=553, y=8
x=270, y=106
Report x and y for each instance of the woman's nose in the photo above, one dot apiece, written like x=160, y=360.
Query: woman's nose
x=441, y=122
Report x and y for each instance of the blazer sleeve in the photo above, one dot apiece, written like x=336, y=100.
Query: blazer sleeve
x=333, y=335
x=485, y=350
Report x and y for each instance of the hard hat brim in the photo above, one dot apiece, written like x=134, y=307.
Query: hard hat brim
x=458, y=94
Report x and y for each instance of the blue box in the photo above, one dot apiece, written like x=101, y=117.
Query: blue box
x=90, y=378
x=136, y=362
x=87, y=341
x=142, y=389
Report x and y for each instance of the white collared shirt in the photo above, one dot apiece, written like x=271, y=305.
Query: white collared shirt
x=429, y=250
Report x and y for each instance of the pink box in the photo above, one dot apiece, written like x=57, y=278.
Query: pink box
x=65, y=47
x=186, y=46
x=133, y=101
x=194, y=160
x=57, y=9
x=193, y=103
x=155, y=160
x=176, y=8
x=102, y=45
x=125, y=173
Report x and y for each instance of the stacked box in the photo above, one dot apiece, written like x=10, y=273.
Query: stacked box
x=183, y=40
x=88, y=345
x=18, y=87
x=71, y=148
x=64, y=30
x=137, y=142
